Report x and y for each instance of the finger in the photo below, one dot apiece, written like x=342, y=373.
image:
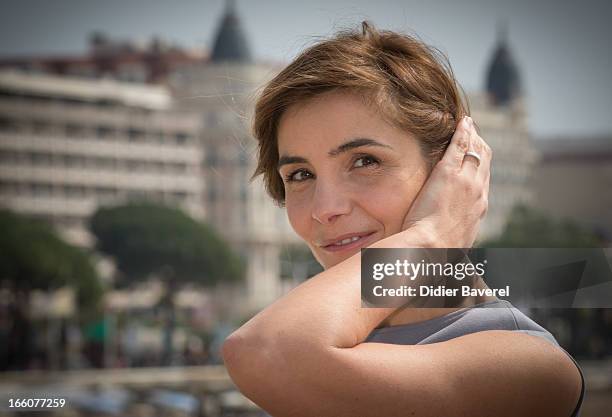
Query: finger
x=481, y=147
x=472, y=159
x=484, y=170
x=458, y=145
x=486, y=192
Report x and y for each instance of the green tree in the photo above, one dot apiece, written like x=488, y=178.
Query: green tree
x=33, y=257
x=528, y=227
x=147, y=239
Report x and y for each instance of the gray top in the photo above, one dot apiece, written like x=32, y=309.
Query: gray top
x=498, y=315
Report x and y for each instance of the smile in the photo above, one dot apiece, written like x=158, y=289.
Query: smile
x=347, y=243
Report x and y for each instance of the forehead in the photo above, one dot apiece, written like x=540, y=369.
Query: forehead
x=330, y=119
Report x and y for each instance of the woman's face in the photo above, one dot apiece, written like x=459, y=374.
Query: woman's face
x=350, y=177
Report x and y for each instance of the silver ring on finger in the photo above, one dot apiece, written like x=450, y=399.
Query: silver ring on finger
x=474, y=155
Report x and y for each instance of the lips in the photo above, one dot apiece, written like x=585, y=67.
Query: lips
x=347, y=241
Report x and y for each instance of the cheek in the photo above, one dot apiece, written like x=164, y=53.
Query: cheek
x=298, y=215
x=389, y=200
x=300, y=218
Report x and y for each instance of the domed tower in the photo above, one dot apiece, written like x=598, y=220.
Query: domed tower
x=230, y=41
x=503, y=81
x=501, y=113
x=221, y=90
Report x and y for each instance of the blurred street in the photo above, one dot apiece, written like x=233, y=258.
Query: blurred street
x=183, y=391
x=203, y=391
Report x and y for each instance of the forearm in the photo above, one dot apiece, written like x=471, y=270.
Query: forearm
x=293, y=345
x=325, y=311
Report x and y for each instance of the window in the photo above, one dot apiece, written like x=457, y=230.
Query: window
x=179, y=196
x=8, y=188
x=158, y=136
x=40, y=189
x=136, y=135
x=134, y=165
x=70, y=161
x=104, y=132
x=41, y=127
x=75, y=131
x=158, y=167
x=181, y=138
x=103, y=193
x=8, y=125
x=8, y=157
x=41, y=159
x=74, y=191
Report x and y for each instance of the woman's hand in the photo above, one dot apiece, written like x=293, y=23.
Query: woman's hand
x=448, y=209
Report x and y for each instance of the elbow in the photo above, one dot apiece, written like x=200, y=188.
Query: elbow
x=228, y=349
x=233, y=350
x=246, y=361
x=243, y=357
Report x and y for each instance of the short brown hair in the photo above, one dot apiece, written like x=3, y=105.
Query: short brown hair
x=411, y=83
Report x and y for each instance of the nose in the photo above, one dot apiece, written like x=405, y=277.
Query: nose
x=330, y=202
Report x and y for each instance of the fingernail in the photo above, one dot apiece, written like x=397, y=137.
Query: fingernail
x=465, y=122
x=470, y=121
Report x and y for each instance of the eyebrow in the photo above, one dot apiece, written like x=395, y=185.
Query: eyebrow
x=345, y=147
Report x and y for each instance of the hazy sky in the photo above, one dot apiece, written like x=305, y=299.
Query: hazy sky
x=562, y=48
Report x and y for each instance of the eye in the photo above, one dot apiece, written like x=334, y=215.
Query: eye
x=364, y=161
x=298, y=176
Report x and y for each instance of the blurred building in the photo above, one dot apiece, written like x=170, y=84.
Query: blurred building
x=76, y=135
x=501, y=114
x=149, y=62
x=70, y=145
x=573, y=180
x=222, y=91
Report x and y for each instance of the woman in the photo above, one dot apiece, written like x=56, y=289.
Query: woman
x=365, y=140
